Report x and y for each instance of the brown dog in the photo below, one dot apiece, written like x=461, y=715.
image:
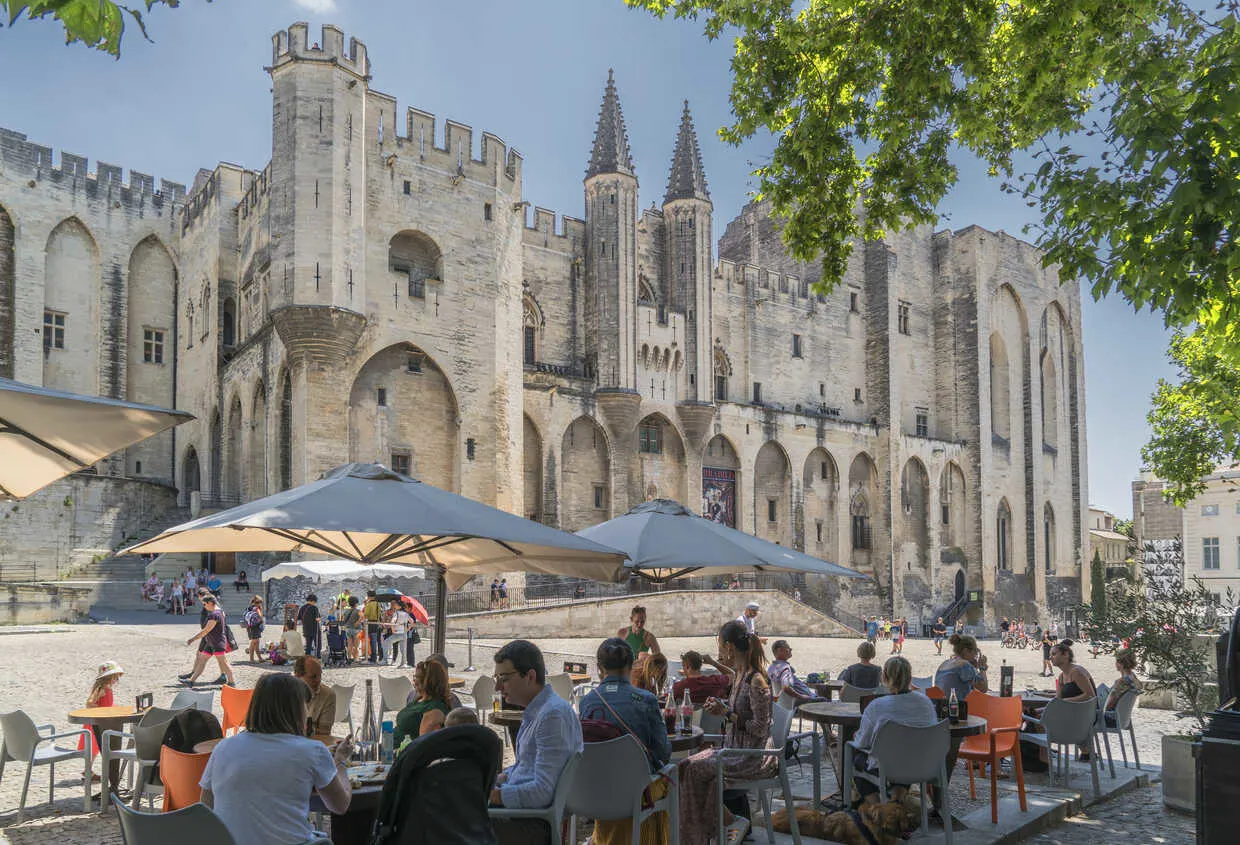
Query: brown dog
x=887, y=824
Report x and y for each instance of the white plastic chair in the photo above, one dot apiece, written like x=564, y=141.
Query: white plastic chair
x=609, y=784
x=344, y=704
x=552, y=814
x=192, y=825
x=1067, y=724
x=24, y=742
x=781, y=723
x=1123, y=721
x=483, y=693
x=294, y=644
x=908, y=755
x=925, y=683
x=853, y=694
x=204, y=700
x=561, y=685
x=128, y=753
x=393, y=694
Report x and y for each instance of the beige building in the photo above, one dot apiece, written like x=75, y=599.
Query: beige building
x=1111, y=546
x=380, y=291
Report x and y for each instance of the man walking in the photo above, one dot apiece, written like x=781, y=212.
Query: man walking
x=871, y=630
x=940, y=633
x=308, y=617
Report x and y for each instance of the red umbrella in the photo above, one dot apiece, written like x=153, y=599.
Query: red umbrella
x=416, y=610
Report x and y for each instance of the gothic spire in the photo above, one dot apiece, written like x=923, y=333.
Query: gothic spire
x=611, y=140
x=687, y=179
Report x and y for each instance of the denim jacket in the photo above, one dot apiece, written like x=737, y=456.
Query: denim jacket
x=637, y=707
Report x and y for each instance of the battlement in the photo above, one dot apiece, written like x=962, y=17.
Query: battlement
x=456, y=153
x=769, y=284
x=18, y=155
x=206, y=191
x=541, y=229
x=259, y=184
x=293, y=45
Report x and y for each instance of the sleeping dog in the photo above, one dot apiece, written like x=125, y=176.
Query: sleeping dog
x=870, y=824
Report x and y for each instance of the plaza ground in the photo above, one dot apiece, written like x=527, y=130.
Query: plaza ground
x=48, y=672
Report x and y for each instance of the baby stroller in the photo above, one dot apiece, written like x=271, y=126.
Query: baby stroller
x=337, y=644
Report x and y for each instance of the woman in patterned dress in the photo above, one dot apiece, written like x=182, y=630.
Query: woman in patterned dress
x=747, y=715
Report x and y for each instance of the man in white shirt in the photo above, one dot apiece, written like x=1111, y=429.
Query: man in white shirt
x=749, y=619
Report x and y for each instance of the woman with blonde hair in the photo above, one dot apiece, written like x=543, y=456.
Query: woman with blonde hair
x=747, y=717
x=430, y=683
x=650, y=672
x=915, y=711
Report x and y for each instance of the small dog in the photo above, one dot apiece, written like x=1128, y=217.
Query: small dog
x=888, y=824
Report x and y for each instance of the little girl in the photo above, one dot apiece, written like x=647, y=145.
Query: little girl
x=101, y=696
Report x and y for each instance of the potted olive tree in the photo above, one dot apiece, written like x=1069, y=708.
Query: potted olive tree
x=1165, y=622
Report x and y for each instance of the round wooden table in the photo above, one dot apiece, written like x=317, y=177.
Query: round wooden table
x=687, y=742
x=578, y=677
x=510, y=719
x=354, y=825
x=827, y=689
x=100, y=719
x=456, y=683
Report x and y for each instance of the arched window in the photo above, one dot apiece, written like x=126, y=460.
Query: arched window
x=1048, y=534
x=645, y=293
x=1003, y=536
x=417, y=257
x=229, y=317
x=1050, y=401
x=531, y=325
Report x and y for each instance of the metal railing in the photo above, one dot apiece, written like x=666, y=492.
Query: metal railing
x=18, y=572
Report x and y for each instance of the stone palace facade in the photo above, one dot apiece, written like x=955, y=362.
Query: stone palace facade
x=381, y=292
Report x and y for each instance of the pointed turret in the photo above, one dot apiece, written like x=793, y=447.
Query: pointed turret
x=611, y=140
x=687, y=179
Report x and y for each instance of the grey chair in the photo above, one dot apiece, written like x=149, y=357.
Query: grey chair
x=609, y=784
x=781, y=724
x=344, y=703
x=552, y=815
x=192, y=825
x=1122, y=718
x=925, y=683
x=202, y=699
x=25, y=742
x=126, y=752
x=853, y=694
x=561, y=685
x=1067, y=724
x=907, y=755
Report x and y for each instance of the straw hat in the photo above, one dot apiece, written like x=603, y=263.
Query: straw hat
x=111, y=667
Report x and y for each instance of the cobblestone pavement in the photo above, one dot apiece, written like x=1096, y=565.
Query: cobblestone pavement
x=1137, y=818
x=49, y=674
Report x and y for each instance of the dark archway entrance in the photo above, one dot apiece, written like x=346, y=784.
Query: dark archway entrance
x=959, y=584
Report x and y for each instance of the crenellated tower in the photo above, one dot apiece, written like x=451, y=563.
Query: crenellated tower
x=319, y=205
x=686, y=214
x=611, y=250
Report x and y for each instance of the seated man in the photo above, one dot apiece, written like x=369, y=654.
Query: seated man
x=701, y=687
x=550, y=735
x=214, y=584
x=321, y=709
x=784, y=677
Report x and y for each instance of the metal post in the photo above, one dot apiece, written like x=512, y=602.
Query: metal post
x=470, y=659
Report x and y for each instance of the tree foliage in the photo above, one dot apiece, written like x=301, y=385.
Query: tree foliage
x=96, y=23
x=1195, y=420
x=869, y=97
x=1098, y=587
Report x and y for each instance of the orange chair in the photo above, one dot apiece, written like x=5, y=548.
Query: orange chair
x=1002, y=739
x=236, y=705
x=978, y=703
x=935, y=692
x=180, y=774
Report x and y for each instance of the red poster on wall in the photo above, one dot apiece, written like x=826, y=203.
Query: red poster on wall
x=719, y=495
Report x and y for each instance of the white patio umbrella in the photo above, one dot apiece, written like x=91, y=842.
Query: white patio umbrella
x=339, y=570
x=665, y=540
x=370, y=514
x=48, y=434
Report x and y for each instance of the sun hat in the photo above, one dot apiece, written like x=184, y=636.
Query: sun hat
x=108, y=668
x=753, y=605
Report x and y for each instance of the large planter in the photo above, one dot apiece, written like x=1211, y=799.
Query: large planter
x=1179, y=773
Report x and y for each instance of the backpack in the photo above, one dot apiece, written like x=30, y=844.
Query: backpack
x=438, y=790
x=253, y=619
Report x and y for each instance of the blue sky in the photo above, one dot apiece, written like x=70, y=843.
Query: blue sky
x=532, y=72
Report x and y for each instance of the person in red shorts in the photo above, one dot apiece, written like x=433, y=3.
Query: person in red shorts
x=701, y=687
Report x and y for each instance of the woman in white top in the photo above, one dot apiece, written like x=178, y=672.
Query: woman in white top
x=901, y=707
x=259, y=781
x=399, y=626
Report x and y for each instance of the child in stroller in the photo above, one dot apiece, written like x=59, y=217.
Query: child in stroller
x=337, y=644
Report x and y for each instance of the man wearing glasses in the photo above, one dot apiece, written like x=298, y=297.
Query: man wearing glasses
x=549, y=736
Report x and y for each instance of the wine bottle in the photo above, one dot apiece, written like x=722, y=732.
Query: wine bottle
x=368, y=742
x=953, y=708
x=686, y=714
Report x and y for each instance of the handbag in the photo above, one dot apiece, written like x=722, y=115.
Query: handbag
x=414, y=636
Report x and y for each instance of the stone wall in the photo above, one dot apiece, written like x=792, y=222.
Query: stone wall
x=38, y=604
x=77, y=519
x=670, y=614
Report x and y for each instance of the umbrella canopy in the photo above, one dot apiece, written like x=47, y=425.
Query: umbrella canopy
x=370, y=514
x=665, y=540
x=48, y=434
x=339, y=570
x=415, y=607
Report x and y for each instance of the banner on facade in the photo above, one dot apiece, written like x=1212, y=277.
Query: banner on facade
x=719, y=496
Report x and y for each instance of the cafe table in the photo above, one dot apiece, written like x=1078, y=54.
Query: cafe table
x=847, y=715
x=456, y=683
x=510, y=719
x=101, y=719
x=687, y=741
x=827, y=689
x=355, y=825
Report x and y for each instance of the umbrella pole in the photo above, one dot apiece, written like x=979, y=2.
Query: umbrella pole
x=441, y=613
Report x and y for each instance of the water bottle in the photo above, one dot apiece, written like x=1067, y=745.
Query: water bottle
x=953, y=708
x=387, y=742
x=368, y=741
x=686, y=714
